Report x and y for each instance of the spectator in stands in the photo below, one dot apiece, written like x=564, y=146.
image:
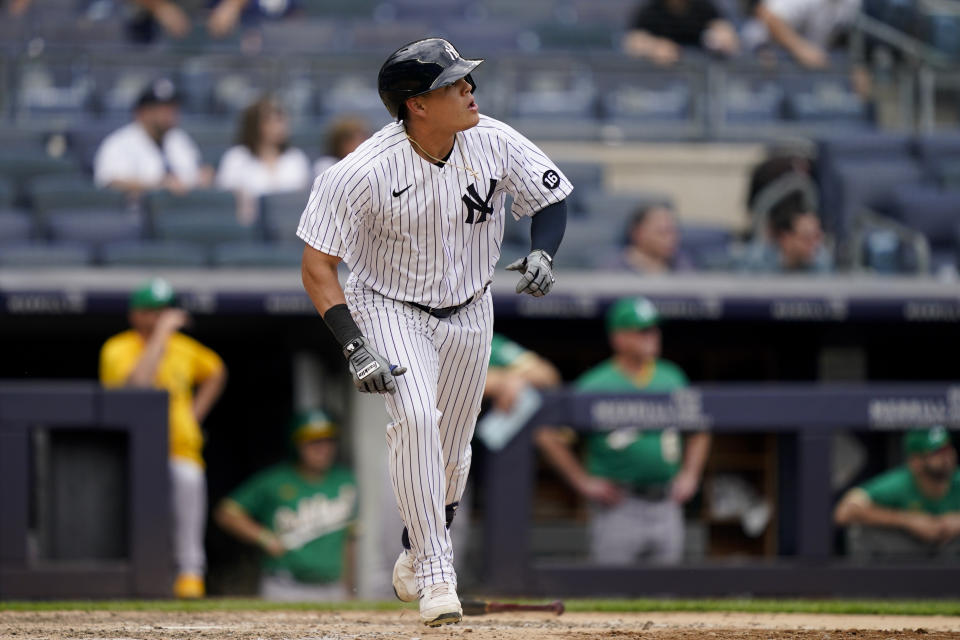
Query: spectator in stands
x=168, y=14
x=913, y=509
x=151, y=152
x=345, y=135
x=807, y=29
x=636, y=480
x=652, y=243
x=301, y=513
x=796, y=242
x=661, y=28
x=227, y=14
x=263, y=161
x=153, y=354
x=17, y=8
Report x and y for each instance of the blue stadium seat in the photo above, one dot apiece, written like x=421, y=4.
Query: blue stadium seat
x=20, y=166
x=941, y=30
x=934, y=213
x=154, y=254
x=338, y=9
x=708, y=247
x=198, y=201
x=868, y=184
x=746, y=101
x=6, y=192
x=37, y=255
x=16, y=227
x=281, y=214
x=203, y=228
x=566, y=37
x=937, y=152
x=588, y=244
x=849, y=149
x=826, y=99
x=311, y=36
x=73, y=192
x=285, y=254
x=94, y=228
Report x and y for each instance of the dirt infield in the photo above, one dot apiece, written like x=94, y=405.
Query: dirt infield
x=405, y=625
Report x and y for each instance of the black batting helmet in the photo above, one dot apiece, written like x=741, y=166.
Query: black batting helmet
x=419, y=67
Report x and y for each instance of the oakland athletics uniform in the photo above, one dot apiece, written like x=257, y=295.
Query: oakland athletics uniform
x=313, y=520
x=644, y=463
x=420, y=237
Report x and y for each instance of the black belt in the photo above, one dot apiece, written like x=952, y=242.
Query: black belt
x=652, y=492
x=446, y=312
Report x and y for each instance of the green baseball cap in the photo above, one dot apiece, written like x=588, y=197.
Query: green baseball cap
x=922, y=441
x=632, y=313
x=312, y=425
x=155, y=293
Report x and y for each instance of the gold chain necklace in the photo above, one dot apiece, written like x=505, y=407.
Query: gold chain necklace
x=476, y=176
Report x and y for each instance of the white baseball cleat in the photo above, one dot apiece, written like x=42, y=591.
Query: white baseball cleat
x=405, y=578
x=440, y=605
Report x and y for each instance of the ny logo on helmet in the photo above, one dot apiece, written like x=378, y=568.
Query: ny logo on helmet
x=474, y=203
x=449, y=49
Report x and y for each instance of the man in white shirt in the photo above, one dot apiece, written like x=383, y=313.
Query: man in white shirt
x=807, y=29
x=151, y=152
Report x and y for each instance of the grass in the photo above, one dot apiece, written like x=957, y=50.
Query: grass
x=882, y=607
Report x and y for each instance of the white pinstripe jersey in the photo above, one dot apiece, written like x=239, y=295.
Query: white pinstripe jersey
x=418, y=232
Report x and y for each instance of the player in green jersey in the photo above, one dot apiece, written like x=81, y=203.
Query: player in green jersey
x=913, y=509
x=302, y=514
x=636, y=480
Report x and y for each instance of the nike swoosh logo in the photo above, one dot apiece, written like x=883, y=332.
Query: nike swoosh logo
x=397, y=194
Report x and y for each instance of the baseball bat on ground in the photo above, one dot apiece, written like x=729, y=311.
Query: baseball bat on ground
x=480, y=607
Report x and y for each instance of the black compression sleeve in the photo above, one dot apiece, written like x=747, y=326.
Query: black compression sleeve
x=341, y=324
x=546, y=230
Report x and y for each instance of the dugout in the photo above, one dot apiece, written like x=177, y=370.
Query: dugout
x=720, y=329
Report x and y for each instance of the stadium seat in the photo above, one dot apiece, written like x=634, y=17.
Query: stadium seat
x=829, y=100
x=73, y=192
x=562, y=36
x=203, y=228
x=154, y=254
x=37, y=255
x=302, y=36
x=16, y=227
x=616, y=209
x=93, y=228
x=338, y=9
x=589, y=243
x=20, y=166
x=869, y=184
x=707, y=247
x=936, y=153
x=281, y=214
x=285, y=254
x=198, y=201
x=6, y=193
x=934, y=213
x=750, y=102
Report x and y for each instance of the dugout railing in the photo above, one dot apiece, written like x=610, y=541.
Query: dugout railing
x=810, y=412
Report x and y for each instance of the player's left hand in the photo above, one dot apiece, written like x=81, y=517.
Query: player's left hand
x=537, y=268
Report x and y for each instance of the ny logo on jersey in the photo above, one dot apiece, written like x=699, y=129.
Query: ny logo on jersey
x=474, y=203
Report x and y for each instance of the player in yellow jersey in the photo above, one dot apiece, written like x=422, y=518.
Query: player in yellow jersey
x=154, y=354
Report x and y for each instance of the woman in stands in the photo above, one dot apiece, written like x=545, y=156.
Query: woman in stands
x=263, y=161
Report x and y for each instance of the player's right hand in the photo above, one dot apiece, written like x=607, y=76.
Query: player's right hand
x=370, y=371
x=172, y=320
x=600, y=490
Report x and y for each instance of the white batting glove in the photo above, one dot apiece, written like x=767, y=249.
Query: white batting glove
x=537, y=268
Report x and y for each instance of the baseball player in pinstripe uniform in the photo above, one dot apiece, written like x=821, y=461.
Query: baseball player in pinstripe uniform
x=417, y=213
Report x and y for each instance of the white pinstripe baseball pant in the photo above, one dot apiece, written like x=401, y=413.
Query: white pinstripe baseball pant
x=434, y=411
